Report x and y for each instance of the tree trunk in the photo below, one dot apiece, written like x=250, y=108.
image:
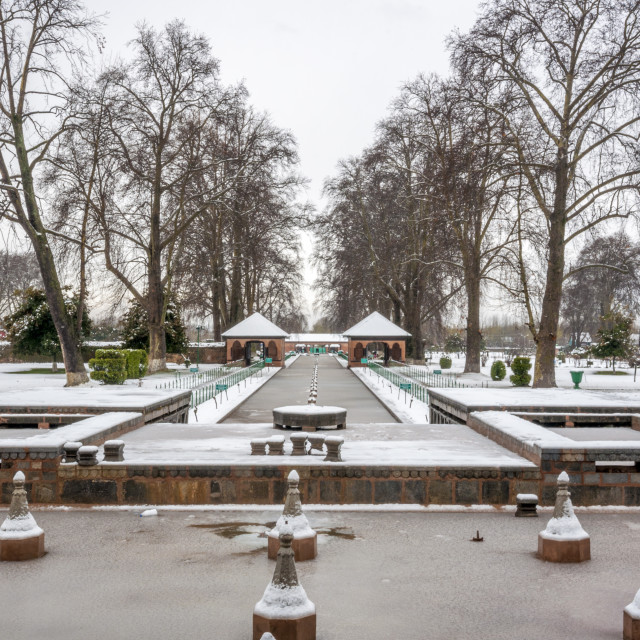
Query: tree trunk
x=544, y=372
x=155, y=294
x=32, y=224
x=474, y=337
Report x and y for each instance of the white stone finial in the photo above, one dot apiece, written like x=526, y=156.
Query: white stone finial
x=19, y=477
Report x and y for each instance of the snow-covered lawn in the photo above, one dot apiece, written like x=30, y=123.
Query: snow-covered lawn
x=14, y=377
x=590, y=378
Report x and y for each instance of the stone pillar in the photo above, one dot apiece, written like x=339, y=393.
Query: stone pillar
x=71, y=451
x=284, y=610
x=564, y=539
x=631, y=620
x=20, y=537
x=276, y=445
x=299, y=444
x=526, y=505
x=259, y=447
x=334, y=447
x=87, y=456
x=305, y=539
x=114, y=451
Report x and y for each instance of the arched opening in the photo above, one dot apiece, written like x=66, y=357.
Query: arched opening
x=378, y=351
x=237, y=351
x=358, y=352
x=396, y=352
x=271, y=351
x=253, y=350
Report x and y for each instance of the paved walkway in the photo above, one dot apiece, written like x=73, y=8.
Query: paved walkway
x=378, y=576
x=336, y=386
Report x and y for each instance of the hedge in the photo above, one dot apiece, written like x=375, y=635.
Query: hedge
x=445, y=362
x=498, y=370
x=109, y=366
x=137, y=363
x=520, y=367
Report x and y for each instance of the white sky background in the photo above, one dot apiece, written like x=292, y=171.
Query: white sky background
x=325, y=70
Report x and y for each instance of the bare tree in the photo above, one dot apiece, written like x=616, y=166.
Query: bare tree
x=468, y=182
x=605, y=280
x=40, y=39
x=573, y=68
x=18, y=271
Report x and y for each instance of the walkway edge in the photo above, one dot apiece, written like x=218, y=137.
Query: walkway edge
x=376, y=396
x=232, y=409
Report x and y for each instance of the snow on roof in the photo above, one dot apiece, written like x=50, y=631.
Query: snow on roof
x=324, y=338
x=376, y=326
x=255, y=326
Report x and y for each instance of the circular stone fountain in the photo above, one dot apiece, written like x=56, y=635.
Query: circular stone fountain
x=309, y=417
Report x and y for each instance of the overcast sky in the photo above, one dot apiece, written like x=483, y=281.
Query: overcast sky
x=325, y=70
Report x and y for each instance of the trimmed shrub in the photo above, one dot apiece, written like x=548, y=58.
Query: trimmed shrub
x=109, y=366
x=445, y=362
x=498, y=370
x=137, y=363
x=520, y=367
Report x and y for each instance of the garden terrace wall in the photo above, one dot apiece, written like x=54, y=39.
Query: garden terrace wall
x=40, y=456
x=136, y=484
x=455, y=405
x=601, y=472
x=154, y=405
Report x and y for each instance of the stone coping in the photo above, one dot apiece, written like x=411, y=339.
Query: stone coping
x=535, y=442
x=90, y=400
x=50, y=443
x=462, y=402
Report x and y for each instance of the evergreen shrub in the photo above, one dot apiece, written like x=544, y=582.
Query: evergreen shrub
x=498, y=370
x=520, y=367
x=137, y=363
x=109, y=366
x=445, y=362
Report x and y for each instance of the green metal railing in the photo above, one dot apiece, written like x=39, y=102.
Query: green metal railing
x=343, y=355
x=429, y=379
x=209, y=390
x=417, y=390
x=191, y=380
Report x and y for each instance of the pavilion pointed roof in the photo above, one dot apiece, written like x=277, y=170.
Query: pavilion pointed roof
x=255, y=326
x=376, y=326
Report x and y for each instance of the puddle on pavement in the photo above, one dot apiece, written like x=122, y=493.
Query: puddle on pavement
x=230, y=530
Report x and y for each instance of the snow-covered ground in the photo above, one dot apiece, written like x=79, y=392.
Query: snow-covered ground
x=13, y=377
x=217, y=408
x=590, y=378
x=407, y=409
x=365, y=444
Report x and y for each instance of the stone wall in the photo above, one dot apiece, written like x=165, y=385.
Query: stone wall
x=127, y=483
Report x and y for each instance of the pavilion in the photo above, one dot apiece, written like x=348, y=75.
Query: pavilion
x=375, y=329
x=256, y=329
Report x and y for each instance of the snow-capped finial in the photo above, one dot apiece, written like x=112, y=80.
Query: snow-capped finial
x=631, y=618
x=20, y=536
x=284, y=605
x=293, y=519
x=564, y=539
x=267, y=636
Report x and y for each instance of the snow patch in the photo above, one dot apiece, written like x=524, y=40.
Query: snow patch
x=633, y=608
x=284, y=603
